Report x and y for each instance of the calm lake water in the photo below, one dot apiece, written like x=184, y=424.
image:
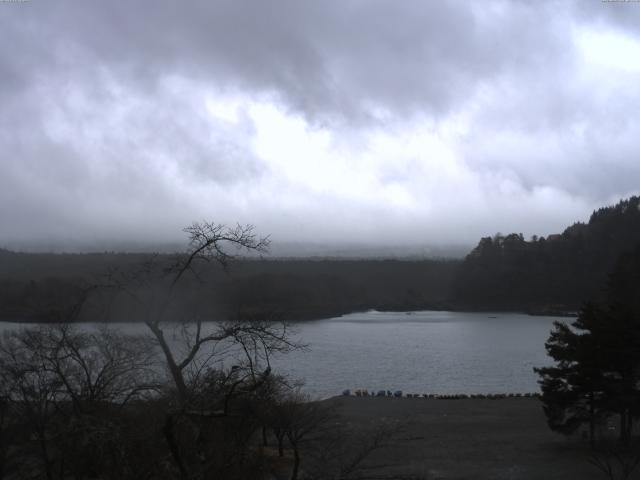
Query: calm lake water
x=417, y=352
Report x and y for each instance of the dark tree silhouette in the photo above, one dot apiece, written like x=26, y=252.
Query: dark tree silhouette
x=597, y=370
x=61, y=389
x=548, y=275
x=573, y=390
x=217, y=368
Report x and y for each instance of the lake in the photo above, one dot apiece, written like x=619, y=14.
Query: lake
x=417, y=352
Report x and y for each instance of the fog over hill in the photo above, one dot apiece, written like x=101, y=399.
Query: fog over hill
x=277, y=250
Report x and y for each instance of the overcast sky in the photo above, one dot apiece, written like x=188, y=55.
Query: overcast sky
x=412, y=122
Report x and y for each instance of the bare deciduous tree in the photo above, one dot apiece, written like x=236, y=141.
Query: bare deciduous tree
x=74, y=391
x=155, y=287
x=211, y=364
x=61, y=385
x=617, y=463
x=301, y=421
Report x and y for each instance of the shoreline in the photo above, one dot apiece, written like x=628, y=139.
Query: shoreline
x=364, y=393
x=328, y=316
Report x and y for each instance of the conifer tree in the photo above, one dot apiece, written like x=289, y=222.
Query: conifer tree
x=597, y=359
x=574, y=389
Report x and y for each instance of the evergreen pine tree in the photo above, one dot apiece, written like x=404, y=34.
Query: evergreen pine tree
x=573, y=390
x=597, y=359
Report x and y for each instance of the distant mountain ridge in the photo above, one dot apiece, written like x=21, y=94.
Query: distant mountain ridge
x=551, y=274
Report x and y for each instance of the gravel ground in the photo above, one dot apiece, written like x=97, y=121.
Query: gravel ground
x=469, y=439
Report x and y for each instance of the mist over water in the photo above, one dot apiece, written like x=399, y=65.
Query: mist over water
x=417, y=352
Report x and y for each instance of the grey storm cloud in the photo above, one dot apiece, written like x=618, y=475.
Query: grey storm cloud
x=105, y=125
x=325, y=58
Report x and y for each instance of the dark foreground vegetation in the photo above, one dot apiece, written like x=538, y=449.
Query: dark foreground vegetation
x=78, y=405
x=596, y=377
x=189, y=400
x=505, y=272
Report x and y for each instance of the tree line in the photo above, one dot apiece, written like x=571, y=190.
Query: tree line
x=298, y=289
x=552, y=274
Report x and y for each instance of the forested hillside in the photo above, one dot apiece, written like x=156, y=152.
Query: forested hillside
x=40, y=287
x=550, y=274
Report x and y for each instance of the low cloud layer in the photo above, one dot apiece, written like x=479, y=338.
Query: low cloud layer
x=416, y=123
